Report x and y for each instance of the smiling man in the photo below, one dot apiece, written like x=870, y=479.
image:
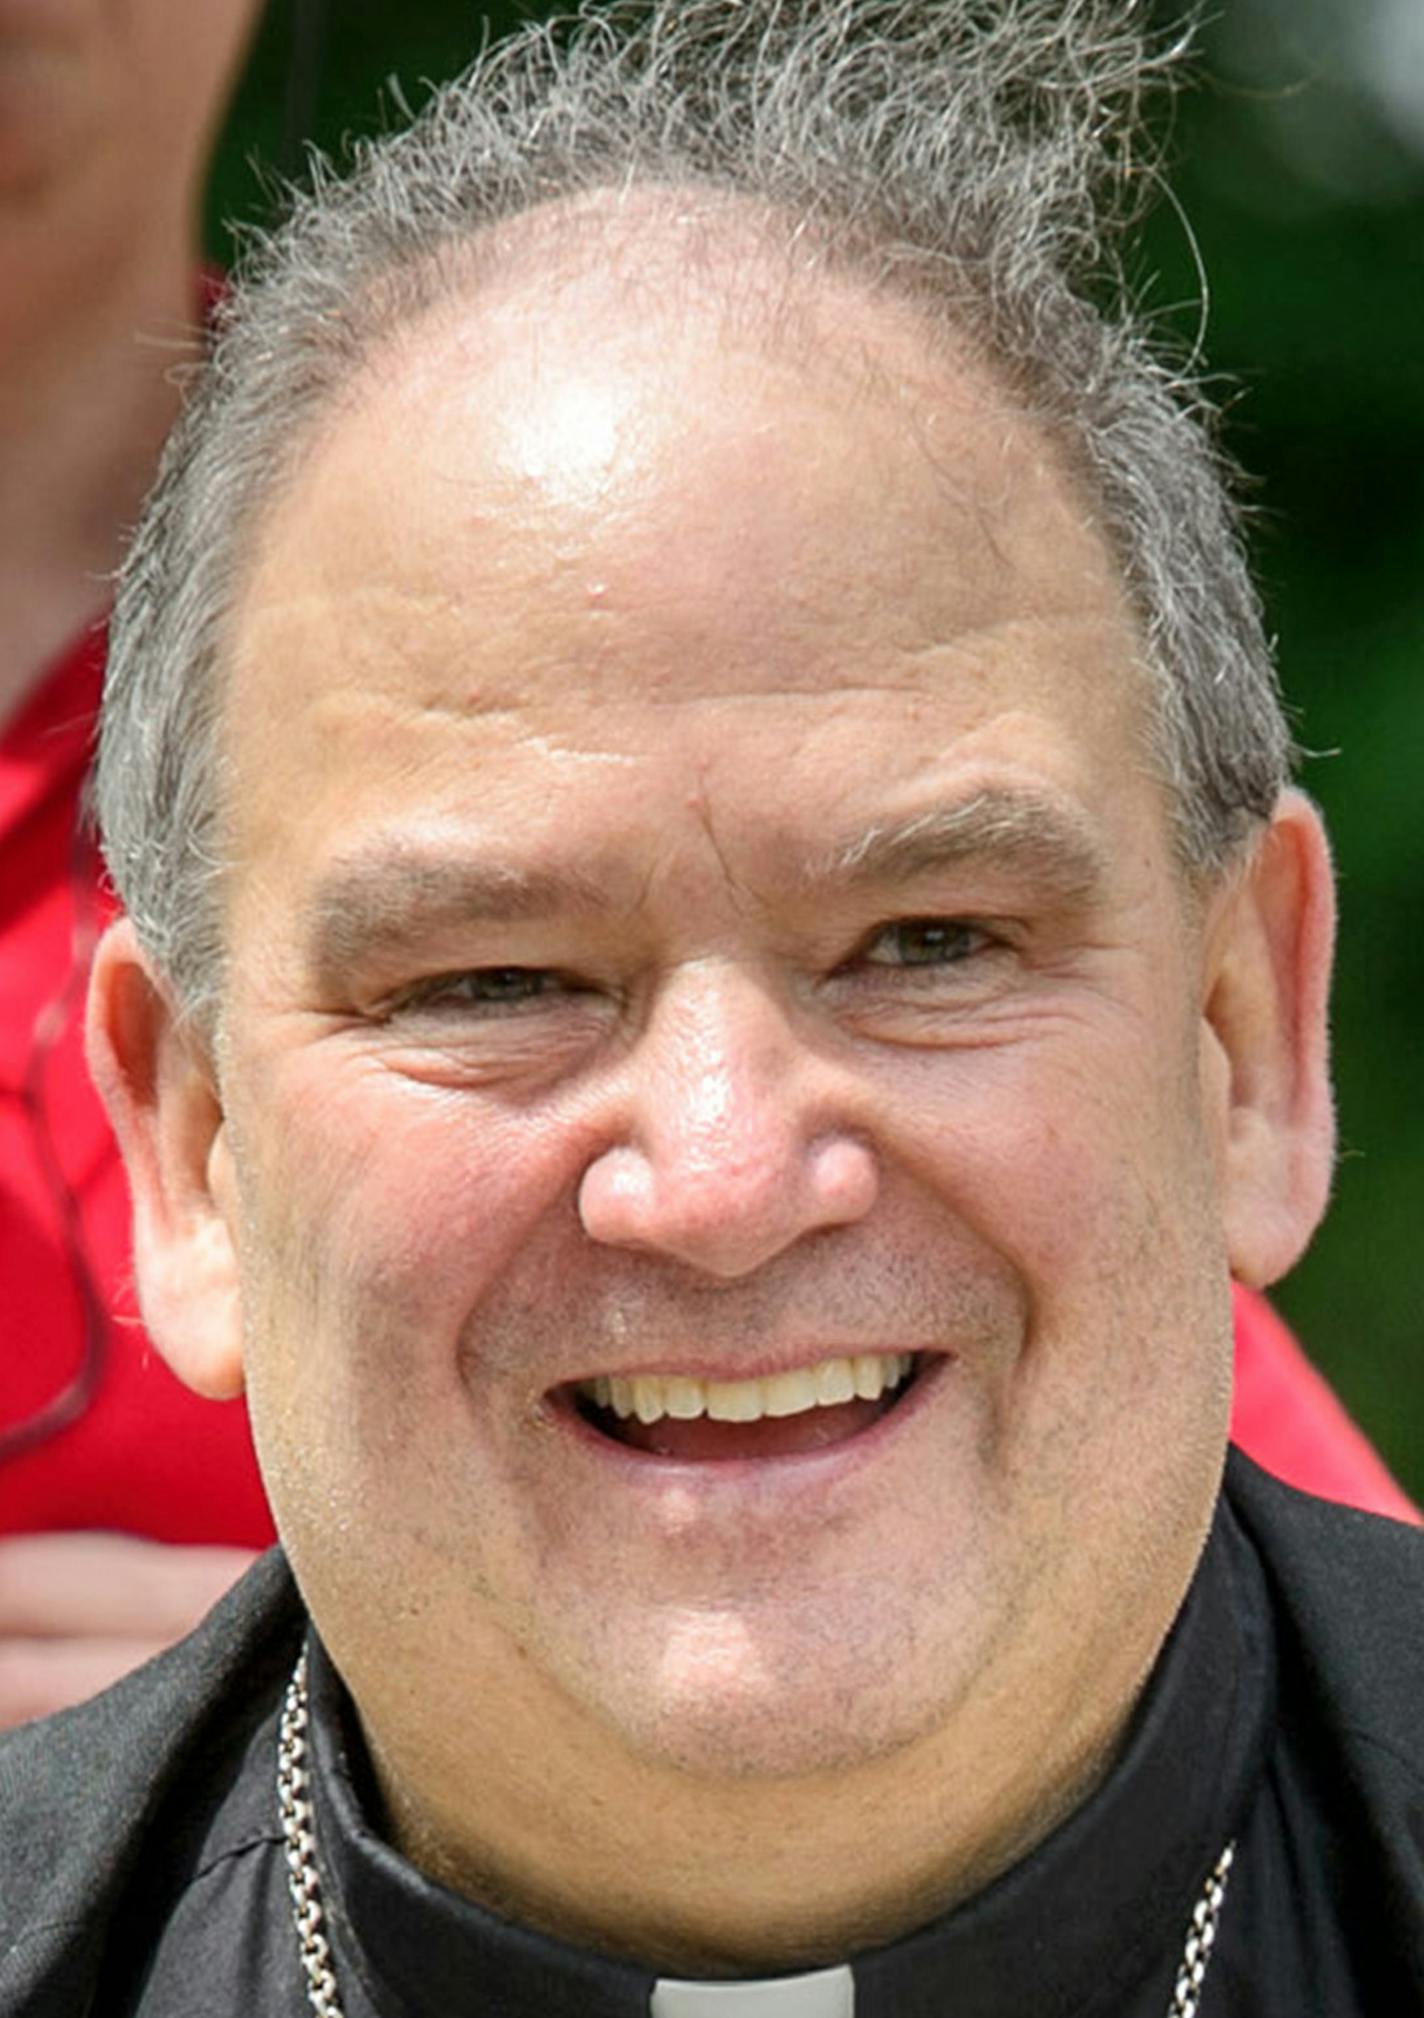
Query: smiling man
x=721, y=970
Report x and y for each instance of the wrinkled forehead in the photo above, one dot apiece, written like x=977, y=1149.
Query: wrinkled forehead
x=647, y=478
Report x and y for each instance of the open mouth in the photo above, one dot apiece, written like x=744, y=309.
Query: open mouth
x=678, y=1416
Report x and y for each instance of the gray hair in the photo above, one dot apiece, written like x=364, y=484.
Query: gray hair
x=976, y=156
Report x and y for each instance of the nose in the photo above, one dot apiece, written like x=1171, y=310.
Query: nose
x=735, y=1139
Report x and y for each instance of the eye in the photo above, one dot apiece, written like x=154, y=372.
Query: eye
x=481, y=988
x=923, y=942
x=501, y=984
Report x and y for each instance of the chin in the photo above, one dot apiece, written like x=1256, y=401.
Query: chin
x=725, y=1698
x=751, y=1739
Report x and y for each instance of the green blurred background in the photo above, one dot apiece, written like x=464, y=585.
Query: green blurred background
x=1298, y=157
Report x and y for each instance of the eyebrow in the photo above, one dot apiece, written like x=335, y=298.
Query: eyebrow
x=1022, y=831
x=400, y=895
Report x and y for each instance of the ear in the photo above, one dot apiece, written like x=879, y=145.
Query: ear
x=158, y=1083
x=1269, y=944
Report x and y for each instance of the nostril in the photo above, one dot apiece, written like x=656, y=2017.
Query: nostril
x=844, y=1178
x=614, y=1196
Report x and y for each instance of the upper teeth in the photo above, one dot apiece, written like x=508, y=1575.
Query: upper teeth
x=650, y=1396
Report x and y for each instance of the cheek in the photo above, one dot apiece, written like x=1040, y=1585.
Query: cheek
x=1065, y=1156
x=382, y=1218
x=406, y=1194
x=378, y=1217
x=1087, y=1170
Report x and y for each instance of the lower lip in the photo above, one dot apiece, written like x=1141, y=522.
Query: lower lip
x=865, y=1446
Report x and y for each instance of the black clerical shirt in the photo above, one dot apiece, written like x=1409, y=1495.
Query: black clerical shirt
x=142, y=1870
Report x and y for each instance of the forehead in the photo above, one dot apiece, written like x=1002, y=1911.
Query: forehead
x=610, y=490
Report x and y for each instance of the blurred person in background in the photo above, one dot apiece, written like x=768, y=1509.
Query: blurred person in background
x=107, y=116
x=126, y=1503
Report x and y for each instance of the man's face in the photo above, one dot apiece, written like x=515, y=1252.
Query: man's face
x=701, y=914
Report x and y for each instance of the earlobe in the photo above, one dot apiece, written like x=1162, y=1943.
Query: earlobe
x=1265, y=1042
x=157, y=1081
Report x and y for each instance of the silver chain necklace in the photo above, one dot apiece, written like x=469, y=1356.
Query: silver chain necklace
x=294, y=1799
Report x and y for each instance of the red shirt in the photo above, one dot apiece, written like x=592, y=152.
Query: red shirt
x=143, y=1454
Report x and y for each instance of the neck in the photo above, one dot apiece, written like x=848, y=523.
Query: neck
x=703, y=1879
x=91, y=324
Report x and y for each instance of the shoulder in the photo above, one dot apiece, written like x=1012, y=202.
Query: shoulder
x=83, y=1794
x=1347, y=1604
x=1348, y=1593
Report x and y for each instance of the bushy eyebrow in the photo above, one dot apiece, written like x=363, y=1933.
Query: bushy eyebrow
x=398, y=896
x=1021, y=831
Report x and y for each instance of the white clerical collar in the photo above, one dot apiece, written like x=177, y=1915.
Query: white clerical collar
x=827, y=1993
